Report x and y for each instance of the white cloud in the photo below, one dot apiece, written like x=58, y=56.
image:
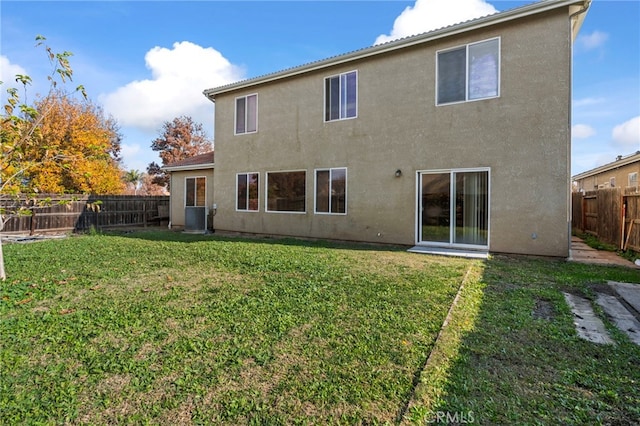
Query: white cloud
x=134, y=157
x=129, y=150
x=427, y=15
x=8, y=72
x=587, y=102
x=594, y=40
x=627, y=134
x=178, y=77
x=582, y=131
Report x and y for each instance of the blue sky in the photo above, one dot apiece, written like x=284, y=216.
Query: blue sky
x=147, y=62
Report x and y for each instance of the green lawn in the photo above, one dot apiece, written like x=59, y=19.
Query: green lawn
x=510, y=353
x=167, y=328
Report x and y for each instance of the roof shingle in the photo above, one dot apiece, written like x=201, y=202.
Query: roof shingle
x=196, y=160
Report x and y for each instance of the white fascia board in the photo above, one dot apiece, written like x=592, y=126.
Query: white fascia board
x=188, y=168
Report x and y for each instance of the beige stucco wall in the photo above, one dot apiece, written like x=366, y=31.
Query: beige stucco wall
x=522, y=136
x=178, y=187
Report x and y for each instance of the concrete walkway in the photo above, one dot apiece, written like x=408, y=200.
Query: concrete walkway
x=588, y=325
x=582, y=253
x=621, y=304
x=619, y=301
x=621, y=313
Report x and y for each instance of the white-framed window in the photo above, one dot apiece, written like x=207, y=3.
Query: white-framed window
x=612, y=182
x=246, y=114
x=468, y=72
x=633, y=179
x=247, y=191
x=341, y=96
x=195, y=191
x=286, y=191
x=331, y=191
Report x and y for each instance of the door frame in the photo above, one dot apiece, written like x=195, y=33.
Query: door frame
x=418, y=208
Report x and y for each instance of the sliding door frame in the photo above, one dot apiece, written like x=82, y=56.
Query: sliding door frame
x=452, y=214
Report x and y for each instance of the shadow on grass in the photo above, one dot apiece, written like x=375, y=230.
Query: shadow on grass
x=510, y=353
x=153, y=321
x=185, y=237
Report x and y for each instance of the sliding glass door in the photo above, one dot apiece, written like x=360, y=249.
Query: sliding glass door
x=454, y=208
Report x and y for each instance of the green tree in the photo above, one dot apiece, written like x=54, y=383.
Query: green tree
x=134, y=178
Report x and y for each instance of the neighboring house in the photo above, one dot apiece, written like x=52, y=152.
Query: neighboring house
x=191, y=187
x=458, y=138
x=622, y=173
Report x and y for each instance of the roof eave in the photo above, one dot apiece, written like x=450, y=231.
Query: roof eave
x=578, y=17
x=494, y=19
x=189, y=167
x=608, y=167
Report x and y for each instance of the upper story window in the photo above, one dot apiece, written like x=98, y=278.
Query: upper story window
x=468, y=72
x=247, y=114
x=341, y=96
x=195, y=193
x=633, y=179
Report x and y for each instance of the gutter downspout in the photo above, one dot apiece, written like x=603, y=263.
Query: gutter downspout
x=585, y=8
x=572, y=18
x=170, y=202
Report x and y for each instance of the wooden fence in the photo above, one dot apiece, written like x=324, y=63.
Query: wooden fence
x=612, y=215
x=65, y=213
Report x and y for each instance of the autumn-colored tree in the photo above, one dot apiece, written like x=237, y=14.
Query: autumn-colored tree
x=181, y=138
x=87, y=147
x=150, y=188
x=20, y=131
x=21, y=134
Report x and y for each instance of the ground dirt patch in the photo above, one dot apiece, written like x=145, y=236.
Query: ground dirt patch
x=543, y=310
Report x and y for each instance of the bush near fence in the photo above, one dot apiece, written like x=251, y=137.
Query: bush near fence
x=611, y=214
x=66, y=213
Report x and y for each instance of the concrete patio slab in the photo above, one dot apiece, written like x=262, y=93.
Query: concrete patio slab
x=473, y=254
x=588, y=325
x=620, y=316
x=630, y=293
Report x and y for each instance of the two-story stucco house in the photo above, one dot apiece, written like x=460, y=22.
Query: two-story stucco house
x=622, y=173
x=455, y=139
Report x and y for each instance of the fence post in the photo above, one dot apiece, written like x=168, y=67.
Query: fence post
x=584, y=213
x=32, y=227
x=623, y=212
